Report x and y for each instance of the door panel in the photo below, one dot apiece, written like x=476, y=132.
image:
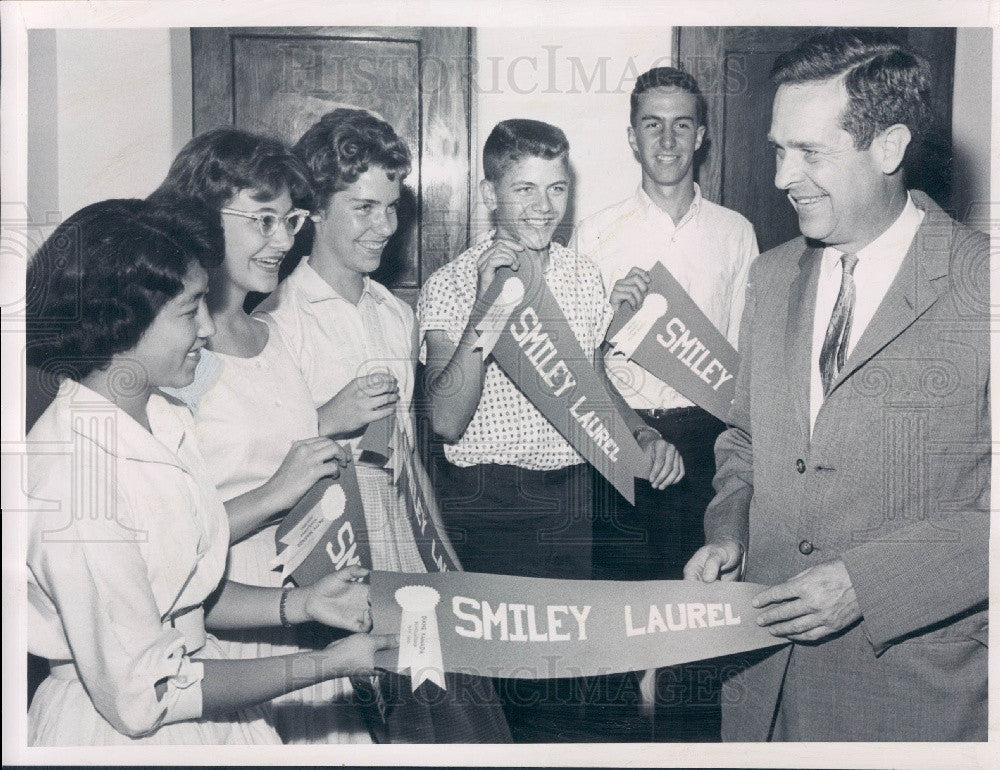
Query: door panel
x=736, y=168
x=279, y=81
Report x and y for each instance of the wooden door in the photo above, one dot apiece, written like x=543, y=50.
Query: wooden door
x=279, y=81
x=732, y=66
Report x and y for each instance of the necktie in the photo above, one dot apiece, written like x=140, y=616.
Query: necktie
x=838, y=333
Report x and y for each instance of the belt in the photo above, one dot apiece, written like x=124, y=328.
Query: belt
x=659, y=414
x=513, y=471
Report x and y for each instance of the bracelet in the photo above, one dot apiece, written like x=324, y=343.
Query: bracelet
x=281, y=608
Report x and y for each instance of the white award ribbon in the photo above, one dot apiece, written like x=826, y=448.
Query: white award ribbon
x=493, y=322
x=419, y=640
x=634, y=332
x=301, y=539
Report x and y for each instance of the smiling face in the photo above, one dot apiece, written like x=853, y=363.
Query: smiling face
x=666, y=135
x=840, y=194
x=529, y=201
x=252, y=261
x=169, y=349
x=358, y=221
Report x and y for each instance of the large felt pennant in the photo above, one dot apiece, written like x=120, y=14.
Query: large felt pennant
x=671, y=338
x=536, y=628
x=522, y=326
x=324, y=532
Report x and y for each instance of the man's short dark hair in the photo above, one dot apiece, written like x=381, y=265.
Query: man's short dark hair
x=887, y=83
x=96, y=284
x=343, y=145
x=217, y=165
x=667, y=77
x=511, y=140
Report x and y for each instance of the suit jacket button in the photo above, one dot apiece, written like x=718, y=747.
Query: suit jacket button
x=805, y=548
x=800, y=465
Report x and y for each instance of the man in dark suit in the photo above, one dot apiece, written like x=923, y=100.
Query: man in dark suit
x=854, y=476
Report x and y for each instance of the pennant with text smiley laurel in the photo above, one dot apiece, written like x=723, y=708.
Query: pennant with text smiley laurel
x=672, y=339
x=522, y=325
x=537, y=628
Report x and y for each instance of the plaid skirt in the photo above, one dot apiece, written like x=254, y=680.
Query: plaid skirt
x=468, y=711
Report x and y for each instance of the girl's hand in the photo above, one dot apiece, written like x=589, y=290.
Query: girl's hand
x=308, y=460
x=354, y=655
x=339, y=600
x=362, y=401
x=667, y=465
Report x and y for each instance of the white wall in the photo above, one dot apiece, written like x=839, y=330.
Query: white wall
x=112, y=107
x=121, y=105
x=971, y=123
x=577, y=79
x=43, y=132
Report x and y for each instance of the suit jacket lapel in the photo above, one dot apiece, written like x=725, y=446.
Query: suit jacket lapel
x=914, y=290
x=799, y=330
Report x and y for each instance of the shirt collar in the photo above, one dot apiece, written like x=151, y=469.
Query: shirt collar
x=696, y=201
x=648, y=205
x=892, y=245
x=315, y=289
x=558, y=254
x=126, y=438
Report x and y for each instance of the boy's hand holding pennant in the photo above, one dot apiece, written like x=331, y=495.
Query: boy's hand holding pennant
x=670, y=337
x=522, y=326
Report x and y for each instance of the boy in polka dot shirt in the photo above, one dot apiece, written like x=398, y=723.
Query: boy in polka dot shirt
x=516, y=496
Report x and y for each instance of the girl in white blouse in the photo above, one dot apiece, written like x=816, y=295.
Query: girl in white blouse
x=343, y=327
x=126, y=554
x=255, y=420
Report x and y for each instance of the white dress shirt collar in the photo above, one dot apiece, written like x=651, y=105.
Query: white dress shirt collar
x=316, y=289
x=128, y=439
x=890, y=246
x=878, y=264
x=650, y=209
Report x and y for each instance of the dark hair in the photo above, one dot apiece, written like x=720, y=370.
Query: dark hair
x=343, y=145
x=886, y=82
x=667, y=77
x=511, y=140
x=96, y=284
x=216, y=166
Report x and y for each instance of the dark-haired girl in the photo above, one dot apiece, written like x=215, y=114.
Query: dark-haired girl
x=126, y=556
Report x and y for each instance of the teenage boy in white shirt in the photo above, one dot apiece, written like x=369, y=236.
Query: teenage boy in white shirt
x=708, y=249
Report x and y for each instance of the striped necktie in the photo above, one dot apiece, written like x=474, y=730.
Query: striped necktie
x=838, y=333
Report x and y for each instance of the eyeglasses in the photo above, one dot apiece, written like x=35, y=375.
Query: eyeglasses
x=267, y=223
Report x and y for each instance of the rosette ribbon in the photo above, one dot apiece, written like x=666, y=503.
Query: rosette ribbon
x=419, y=638
x=302, y=539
